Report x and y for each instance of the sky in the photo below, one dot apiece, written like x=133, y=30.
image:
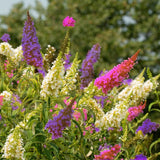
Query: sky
x=6, y=5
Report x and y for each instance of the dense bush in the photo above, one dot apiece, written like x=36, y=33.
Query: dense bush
x=54, y=108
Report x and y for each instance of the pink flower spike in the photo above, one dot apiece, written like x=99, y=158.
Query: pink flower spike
x=117, y=75
x=68, y=22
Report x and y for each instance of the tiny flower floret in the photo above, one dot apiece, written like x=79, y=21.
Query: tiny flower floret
x=68, y=22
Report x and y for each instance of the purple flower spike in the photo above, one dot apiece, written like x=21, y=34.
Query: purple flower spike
x=87, y=65
x=30, y=45
x=60, y=122
x=148, y=126
x=5, y=37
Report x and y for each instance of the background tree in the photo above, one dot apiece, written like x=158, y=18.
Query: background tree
x=120, y=27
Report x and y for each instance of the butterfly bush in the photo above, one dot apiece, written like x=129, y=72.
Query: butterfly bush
x=60, y=122
x=70, y=78
x=13, y=148
x=6, y=49
x=87, y=65
x=14, y=54
x=138, y=90
x=115, y=76
x=114, y=117
x=68, y=113
x=54, y=80
x=30, y=45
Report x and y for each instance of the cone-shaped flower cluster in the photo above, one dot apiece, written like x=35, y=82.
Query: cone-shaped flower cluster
x=18, y=55
x=114, y=117
x=87, y=65
x=148, y=127
x=135, y=111
x=30, y=45
x=108, y=154
x=13, y=148
x=138, y=90
x=49, y=57
x=70, y=78
x=6, y=49
x=15, y=55
x=54, y=80
x=61, y=121
x=115, y=76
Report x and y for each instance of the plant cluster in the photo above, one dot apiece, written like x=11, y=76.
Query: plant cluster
x=53, y=108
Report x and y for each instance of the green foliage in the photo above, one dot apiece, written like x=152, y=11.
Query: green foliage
x=81, y=140
x=120, y=27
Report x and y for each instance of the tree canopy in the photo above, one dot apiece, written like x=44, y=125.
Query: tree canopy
x=120, y=27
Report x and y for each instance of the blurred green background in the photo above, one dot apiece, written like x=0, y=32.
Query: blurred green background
x=121, y=27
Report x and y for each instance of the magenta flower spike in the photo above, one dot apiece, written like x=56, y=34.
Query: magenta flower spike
x=117, y=75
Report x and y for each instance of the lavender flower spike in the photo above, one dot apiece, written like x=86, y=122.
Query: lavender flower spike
x=61, y=121
x=87, y=65
x=30, y=45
